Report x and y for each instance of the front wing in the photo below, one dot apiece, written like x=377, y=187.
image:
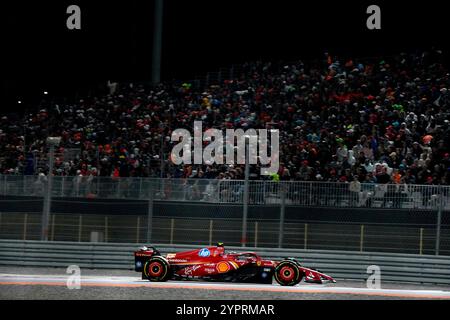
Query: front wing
x=315, y=276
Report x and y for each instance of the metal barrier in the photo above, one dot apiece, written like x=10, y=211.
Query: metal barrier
x=339, y=264
x=303, y=193
x=427, y=209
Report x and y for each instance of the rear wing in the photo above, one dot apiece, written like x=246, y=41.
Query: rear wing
x=142, y=255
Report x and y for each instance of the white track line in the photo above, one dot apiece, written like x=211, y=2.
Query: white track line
x=112, y=281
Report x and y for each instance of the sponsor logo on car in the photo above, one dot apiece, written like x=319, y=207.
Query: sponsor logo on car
x=177, y=260
x=223, y=266
x=204, y=253
x=189, y=270
x=138, y=254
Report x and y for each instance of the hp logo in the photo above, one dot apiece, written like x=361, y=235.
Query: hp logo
x=204, y=252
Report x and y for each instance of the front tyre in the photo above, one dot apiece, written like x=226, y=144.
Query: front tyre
x=157, y=269
x=287, y=273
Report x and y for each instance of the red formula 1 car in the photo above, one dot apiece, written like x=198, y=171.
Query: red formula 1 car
x=213, y=264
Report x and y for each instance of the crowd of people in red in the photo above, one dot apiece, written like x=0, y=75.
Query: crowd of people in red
x=372, y=120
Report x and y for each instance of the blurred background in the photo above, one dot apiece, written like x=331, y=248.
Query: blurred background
x=115, y=42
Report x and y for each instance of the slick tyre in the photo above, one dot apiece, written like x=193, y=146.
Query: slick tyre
x=157, y=269
x=287, y=273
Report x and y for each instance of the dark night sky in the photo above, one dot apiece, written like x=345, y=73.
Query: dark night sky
x=199, y=36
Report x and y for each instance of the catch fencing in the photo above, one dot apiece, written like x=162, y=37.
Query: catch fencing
x=301, y=193
x=412, y=219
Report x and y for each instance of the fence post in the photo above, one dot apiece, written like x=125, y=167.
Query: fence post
x=25, y=223
x=48, y=196
x=63, y=183
x=361, y=239
x=162, y=188
x=4, y=184
x=220, y=196
x=106, y=228
x=256, y=234
x=282, y=213
x=310, y=194
x=80, y=227
x=138, y=226
x=245, y=204
x=210, y=231
x=305, y=243
x=45, y=212
x=264, y=192
x=53, y=228
x=150, y=213
x=438, y=223
x=172, y=225
x=119, y=180
x=421, y=241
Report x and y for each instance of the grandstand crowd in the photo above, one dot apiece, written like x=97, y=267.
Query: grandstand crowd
x=375, y=120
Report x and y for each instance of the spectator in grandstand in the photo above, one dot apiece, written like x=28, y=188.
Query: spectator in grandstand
x=355, y=189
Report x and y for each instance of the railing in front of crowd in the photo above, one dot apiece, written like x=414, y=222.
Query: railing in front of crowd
x=261, y=192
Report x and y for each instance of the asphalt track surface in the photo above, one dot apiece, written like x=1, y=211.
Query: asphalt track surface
x=51, y=284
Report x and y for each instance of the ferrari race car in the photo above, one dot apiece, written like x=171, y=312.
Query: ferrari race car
x=214, y=264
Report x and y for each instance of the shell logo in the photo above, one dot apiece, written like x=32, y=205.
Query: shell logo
x=223, y=267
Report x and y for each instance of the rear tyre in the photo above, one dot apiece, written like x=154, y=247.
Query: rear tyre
x=157, y=269
x=287, y=273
